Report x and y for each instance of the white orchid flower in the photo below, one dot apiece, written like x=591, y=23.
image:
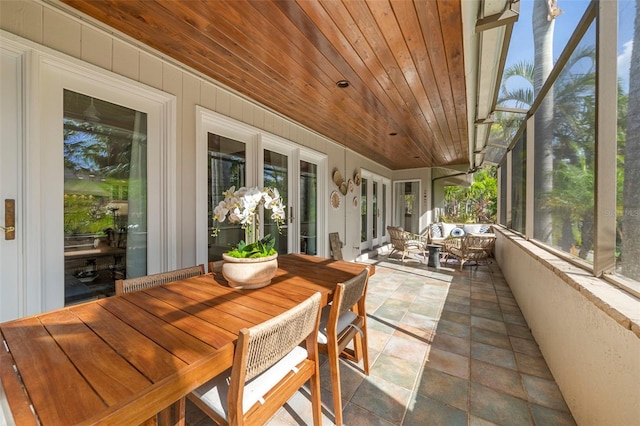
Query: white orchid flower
x=220, y=211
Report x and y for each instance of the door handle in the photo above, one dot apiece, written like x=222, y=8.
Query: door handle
x=9, y=219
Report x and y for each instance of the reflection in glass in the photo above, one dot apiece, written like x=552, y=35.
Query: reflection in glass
x=308, y=207
x=226, y=168
x=105, y=195
x=276, y=175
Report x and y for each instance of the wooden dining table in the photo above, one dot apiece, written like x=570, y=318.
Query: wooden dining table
x=122, y=359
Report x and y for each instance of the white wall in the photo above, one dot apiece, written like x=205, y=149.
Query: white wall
x=86, y=40
x=587, y=330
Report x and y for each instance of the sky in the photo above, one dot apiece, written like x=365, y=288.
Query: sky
x=521, y=48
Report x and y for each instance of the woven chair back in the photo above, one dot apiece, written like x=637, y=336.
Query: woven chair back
x=271, y=340
x=141, y=283
x=352, y=291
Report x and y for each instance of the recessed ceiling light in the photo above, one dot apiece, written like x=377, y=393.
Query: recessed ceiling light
x=393, y=134
x=342, y=84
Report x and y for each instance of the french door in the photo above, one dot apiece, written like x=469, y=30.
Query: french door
x=374, y=211
x=245, y=156
x=13, y=303
x=83, y=161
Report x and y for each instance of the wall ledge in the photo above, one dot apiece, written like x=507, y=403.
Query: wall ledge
x=621, y=306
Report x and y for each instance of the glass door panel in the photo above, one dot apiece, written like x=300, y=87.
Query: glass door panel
x=226, y=167
x=105, y=195
x=374, y=212
x=384, y=210
x=363, y=211
x=308, y=207
x=276, y=175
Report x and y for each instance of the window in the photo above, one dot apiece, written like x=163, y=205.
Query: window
x=226, y=167
x=628, y=165
x=518, y=185
x=105, y=195
x=564, y=156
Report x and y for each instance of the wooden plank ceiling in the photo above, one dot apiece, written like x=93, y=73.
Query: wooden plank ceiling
x=405, y=106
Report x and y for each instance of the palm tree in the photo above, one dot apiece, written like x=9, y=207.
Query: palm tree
x=543, y=19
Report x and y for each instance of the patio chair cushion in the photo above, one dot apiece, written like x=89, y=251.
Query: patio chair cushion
x=447, y=228
x=457, y=232
x=344, y=320
x=436, y=231
x=216, y=390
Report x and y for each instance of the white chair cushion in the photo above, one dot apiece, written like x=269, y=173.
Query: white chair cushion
x=344, y=320
x=215, y=392
x=472, y=228
x=447, y=228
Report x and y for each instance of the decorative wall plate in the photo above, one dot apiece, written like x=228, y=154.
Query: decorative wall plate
x=337, y=177
x=355, y=201
x=357, y=179
x=350, y=184
x=343, y=188
x=335, y=199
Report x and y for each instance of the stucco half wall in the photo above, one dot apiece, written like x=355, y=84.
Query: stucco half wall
x=587, y=330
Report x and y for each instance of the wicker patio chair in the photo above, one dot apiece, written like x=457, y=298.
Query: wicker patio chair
x=343, y=321
x=140, y=283
x=268, y=368
x=471, y=247
x=406, y=242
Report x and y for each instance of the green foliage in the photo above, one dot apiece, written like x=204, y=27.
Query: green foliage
x=477, y=203
x=261, y=248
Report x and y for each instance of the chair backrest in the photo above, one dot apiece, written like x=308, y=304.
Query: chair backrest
x=336, y=245
x=397, y=237
x=264, y=344
x=350, y=292
x=216, y=266
x=479, y=242
x=140, y=283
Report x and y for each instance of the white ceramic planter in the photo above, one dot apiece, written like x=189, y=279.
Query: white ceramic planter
x=249, y=273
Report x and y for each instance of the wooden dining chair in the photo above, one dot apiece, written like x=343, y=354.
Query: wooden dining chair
x=269, y=367
x=216, y=266
x=147, y=281
x=344, y=321
x=140, y=283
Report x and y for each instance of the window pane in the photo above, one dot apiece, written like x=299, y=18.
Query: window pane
x=105, y=195
x=628, y=196
x=276, y=175
x=226, y=168
x=374, y=207
x=518, y=185
x=384, y=210
x=564, y=156
x=363, y=211
x=308, y=207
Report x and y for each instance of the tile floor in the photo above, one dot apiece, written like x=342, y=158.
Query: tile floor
x=446, y=348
